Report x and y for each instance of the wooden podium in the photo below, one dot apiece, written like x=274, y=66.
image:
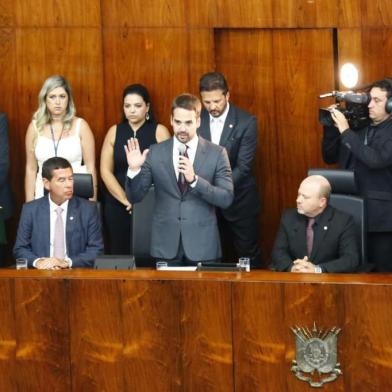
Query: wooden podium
x=146, y=330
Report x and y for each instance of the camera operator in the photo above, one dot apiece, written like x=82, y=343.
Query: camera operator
x=368, y=152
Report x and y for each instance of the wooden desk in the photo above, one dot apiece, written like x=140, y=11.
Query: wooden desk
x=145, y=330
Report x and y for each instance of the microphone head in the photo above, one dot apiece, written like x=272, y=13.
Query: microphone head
x=181, y=148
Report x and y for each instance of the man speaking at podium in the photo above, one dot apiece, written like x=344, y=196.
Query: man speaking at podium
x=191, y=176
x=58, y=230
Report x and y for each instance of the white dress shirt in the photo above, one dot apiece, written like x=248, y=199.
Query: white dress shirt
x=191, y=151
x=217, y=124
x=53, y=216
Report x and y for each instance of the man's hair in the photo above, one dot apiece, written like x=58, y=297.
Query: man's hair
x=325, y=190
x=188, y=102
x=213, y=81
x=53, y=164
x=385, y=85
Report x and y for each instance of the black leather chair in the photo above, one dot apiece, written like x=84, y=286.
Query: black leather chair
x=83, y=185
x=344, y=197
x=141, y=230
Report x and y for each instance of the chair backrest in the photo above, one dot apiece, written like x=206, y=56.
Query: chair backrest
x=344, y=197
x=83, y=185
x=141, y=229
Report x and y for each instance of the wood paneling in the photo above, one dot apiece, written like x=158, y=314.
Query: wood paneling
x=7, y=13
x=8, y=369
x=370, y=48
x=144, y=13
x=154, y=57
x=88, y=330
x=42, y=335
x=54, y=13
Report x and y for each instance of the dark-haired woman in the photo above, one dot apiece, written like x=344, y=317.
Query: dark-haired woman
x=139, y=122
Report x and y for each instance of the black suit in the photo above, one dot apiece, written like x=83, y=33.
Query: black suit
x=368, y=152
x=239, y=137
x=334, y=248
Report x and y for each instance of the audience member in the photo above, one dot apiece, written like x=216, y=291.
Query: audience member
x=59, y=230
x=56, y=131
x=315, y=237
x=236, y=130
x=192, y=176
x=138, y=122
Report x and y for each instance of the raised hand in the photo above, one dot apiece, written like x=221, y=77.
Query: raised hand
x=135, y=158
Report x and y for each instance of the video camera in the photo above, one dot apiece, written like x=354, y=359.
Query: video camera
x=355, y=109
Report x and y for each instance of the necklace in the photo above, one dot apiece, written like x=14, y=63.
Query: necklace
x=56, y=145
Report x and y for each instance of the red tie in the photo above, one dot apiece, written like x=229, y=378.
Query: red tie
x=310, y=235
x=182, y=185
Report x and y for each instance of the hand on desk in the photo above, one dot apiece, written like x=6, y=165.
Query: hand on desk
x=51, y=263
x=303, y=265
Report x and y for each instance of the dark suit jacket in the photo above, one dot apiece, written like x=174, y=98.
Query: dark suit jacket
x=190, y=216
x=368, y=152
x=5, y=190
x=335, y=247
x=83, y=231
x=239, y=137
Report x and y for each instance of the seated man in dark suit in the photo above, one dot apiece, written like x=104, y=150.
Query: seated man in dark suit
x=59, y=230
x=315, y=237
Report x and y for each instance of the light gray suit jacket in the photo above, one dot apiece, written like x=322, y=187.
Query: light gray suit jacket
x=190, y=216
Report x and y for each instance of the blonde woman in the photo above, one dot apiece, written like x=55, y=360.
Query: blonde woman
x=56, y=131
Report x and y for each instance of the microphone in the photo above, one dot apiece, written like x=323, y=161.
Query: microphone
x=181, y=152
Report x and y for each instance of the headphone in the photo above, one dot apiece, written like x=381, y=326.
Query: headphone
x=388, y=104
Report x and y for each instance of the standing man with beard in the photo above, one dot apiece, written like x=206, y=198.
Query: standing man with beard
x=368, y=152
x=235, y=130
x=191, y=177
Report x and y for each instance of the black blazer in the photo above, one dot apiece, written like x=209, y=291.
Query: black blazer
x=239, y=137
x=335, y=246
x=5, y=190
x=368, y=152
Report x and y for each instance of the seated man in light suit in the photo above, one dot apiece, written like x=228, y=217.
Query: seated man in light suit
x=315, y=237
x=192, y=176
x=59, y=230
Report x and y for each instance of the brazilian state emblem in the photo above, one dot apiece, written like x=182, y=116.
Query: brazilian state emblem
x=316, y=355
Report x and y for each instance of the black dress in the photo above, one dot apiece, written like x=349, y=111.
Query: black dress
x=117, y=219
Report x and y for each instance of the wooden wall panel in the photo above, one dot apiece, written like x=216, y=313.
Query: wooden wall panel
x=366, y=48
x=144, y=13
x=152, y=339
x=154, y=57
x=42, y=330
x=7, y=17
x=7, y=337
x=376, y=12
x=367, y=328
x=96, y=340
x=207, y=336
x=53, y=13
x=301, y=58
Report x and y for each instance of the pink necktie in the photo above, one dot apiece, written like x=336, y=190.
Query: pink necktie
x=58, y=241
x=310, y=235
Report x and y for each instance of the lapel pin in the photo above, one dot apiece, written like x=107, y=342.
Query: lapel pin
x=325, y=227
x=230, y=125
x=71, y=218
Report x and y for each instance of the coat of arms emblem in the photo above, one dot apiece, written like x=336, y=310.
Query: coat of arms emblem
x=316, y=355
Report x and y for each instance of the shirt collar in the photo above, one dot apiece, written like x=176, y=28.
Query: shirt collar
x=53, y=206
x=222, y=117
x=192, y=144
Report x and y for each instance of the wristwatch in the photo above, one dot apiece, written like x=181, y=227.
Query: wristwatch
x=318, y=270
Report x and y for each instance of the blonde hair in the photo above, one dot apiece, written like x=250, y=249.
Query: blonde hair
x=42, y=116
